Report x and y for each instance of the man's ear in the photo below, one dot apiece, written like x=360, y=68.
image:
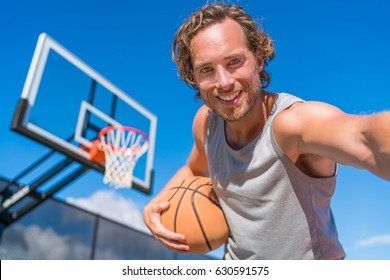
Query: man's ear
x=260, y=60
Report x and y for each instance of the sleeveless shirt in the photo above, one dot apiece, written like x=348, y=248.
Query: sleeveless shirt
x=273, y=209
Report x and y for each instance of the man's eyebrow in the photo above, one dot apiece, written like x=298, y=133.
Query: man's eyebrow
x=235, y=54
x=201, y=65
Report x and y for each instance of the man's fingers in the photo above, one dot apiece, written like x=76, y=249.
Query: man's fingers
x=172, y=240
x=176, y=246
x=161, y=206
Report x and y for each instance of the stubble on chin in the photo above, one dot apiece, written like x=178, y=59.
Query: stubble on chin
x=237, y=112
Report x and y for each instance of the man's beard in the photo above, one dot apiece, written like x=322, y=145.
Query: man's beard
x=236, y=113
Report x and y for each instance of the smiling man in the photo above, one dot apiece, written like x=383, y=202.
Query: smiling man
x=271, y=156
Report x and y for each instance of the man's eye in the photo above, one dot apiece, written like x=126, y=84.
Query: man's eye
x=205, y=69
x=235, y=61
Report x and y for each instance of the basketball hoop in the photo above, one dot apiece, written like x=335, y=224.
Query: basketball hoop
x=122, y=147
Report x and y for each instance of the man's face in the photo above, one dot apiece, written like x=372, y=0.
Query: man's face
x=225, y=70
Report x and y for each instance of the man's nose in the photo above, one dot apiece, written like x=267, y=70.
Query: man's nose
x=224, y=79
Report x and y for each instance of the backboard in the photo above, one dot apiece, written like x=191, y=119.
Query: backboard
x=65, y=103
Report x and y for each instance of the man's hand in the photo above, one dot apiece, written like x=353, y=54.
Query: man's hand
x=152, y=217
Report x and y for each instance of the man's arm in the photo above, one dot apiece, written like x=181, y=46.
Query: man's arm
x=196, y=166
x=315, y=128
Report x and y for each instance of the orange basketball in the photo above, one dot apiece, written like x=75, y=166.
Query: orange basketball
x=195, y=212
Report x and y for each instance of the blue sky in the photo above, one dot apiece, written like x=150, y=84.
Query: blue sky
x=331, y=51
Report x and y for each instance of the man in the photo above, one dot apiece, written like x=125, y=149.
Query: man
x=272, y=157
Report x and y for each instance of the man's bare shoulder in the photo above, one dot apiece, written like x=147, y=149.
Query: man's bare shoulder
x=300, y=115
x=199, y=125
x=202, y=113
x=303, y=123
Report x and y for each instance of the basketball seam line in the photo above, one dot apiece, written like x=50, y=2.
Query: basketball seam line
x=198, y=192
x=194, y=191
x=180, y=200
x=198, y=219
x=178, y=206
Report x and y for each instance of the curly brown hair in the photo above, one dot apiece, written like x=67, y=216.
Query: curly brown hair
x=211, y=14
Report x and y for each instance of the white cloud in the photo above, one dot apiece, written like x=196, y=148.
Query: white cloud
x=111, y=205
x=377, y=240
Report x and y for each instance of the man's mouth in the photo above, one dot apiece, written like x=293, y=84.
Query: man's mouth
x=230, y=97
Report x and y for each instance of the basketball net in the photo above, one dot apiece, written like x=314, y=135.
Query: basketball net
x=122, y=147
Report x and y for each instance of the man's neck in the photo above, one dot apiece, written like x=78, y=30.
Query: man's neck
x=240, y=133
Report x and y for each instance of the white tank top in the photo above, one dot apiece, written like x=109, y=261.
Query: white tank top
x=274, y=211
